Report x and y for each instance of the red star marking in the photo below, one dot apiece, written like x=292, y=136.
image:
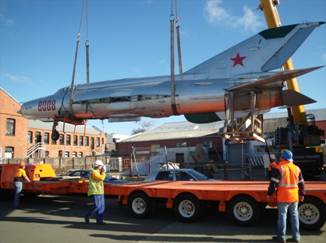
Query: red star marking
x=237, y=60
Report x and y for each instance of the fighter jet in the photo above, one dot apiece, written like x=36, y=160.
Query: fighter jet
x=198, y=94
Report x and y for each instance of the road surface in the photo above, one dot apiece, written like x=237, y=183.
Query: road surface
x=59, y=219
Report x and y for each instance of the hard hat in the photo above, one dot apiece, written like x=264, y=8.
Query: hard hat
x=287, y=155
x=98, y=163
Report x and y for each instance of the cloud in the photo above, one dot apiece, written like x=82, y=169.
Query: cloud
x=15, y=78
x=5, y=21
x=216, y=14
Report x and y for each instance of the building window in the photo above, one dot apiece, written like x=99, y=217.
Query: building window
x=68, y=139
x=38, y=137
x=60, y=153
x=47, y=153
x=97, y=142
x=62, y=139
x=11, y=124
x=81, y=141
x=66, y=154
x=74, y=154
x=86, y=141
x=75, y=140
x=9, y=152
x=80, y=154
x=102, y=140
x=46, y=137
x=92, y=143
x=30, y=137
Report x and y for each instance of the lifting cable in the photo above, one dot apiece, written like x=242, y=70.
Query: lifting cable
x=83, y=15
x=172, y=84
x=174, y=23
x=177, y=26
x=87, y=42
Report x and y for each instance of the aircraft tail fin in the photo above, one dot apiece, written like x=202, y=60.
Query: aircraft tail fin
x=265, y=51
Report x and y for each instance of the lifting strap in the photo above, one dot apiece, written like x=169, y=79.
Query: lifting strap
x=174, y=23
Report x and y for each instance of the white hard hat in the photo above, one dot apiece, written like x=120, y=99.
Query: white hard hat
x=98, y=163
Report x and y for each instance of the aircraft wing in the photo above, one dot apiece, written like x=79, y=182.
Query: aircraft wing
x=272, y=79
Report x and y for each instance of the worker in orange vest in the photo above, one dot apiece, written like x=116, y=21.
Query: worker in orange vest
x=20, y=176
x=286, y=179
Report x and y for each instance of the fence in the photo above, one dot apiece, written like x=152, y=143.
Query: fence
x=62, y=165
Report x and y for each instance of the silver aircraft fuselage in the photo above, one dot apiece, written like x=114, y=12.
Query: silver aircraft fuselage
x=244, y=69
x=130, y=98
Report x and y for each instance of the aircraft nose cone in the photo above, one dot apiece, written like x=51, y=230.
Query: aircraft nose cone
x=28, y=108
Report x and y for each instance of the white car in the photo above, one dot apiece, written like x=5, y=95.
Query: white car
x=177, y=175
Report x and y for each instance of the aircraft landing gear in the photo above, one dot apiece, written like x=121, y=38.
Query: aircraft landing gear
x=55, y=134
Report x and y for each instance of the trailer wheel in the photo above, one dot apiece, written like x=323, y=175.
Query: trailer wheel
x=312, y=214
x=187, y=208
x=244, y=210
x=140, y=205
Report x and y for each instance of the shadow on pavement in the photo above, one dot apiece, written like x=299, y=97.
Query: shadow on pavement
x=69, y=211
x=134, y=238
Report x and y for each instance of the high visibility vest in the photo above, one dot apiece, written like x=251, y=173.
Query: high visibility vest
x=287, y=190
x=272, y=166
x=95, y=187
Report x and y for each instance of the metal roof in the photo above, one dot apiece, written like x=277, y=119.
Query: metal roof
x=320, y=114
x=183, y=130
x=176, y=130
x=37, y=124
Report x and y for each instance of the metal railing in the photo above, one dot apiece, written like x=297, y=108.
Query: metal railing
x=34, y=148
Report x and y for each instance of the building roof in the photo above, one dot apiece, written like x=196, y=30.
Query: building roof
x=184, y=130
x=6, y=93
x=37, y=124
x=320, y=114
x=176, y=130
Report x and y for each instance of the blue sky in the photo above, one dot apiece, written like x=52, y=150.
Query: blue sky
x=130, y=38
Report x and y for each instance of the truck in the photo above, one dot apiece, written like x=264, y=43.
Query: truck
x=243, y=201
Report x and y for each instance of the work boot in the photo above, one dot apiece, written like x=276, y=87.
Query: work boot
x=278, y=239
x=86, y=219
x=101, y=223
x=293, y=240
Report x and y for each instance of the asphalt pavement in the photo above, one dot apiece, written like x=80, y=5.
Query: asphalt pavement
x=59, y=219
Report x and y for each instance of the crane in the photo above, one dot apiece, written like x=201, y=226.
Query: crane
x=301, y=137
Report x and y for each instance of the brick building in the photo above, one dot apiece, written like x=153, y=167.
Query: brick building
x=185, y=142
x=184, y=134
x=13, y=128
x=71, y=143
x=21, y=138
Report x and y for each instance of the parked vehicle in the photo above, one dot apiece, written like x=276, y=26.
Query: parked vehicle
x=177, y=175
x=85, y=174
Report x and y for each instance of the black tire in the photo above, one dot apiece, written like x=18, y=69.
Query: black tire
x=140, y=205
x=244, y=210
x=187, y=208
x=312, y=214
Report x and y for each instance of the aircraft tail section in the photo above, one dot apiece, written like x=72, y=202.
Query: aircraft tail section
x=265, y=51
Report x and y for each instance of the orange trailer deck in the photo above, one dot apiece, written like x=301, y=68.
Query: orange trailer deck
x=243, y=201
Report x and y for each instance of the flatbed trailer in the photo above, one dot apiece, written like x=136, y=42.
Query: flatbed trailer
x=243, y=201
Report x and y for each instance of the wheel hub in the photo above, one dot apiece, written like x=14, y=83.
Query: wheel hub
x=139, y=205
x=309, y=213
x=187, y=208
x=243, y=211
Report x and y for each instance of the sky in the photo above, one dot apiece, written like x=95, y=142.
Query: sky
x=130, y=38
